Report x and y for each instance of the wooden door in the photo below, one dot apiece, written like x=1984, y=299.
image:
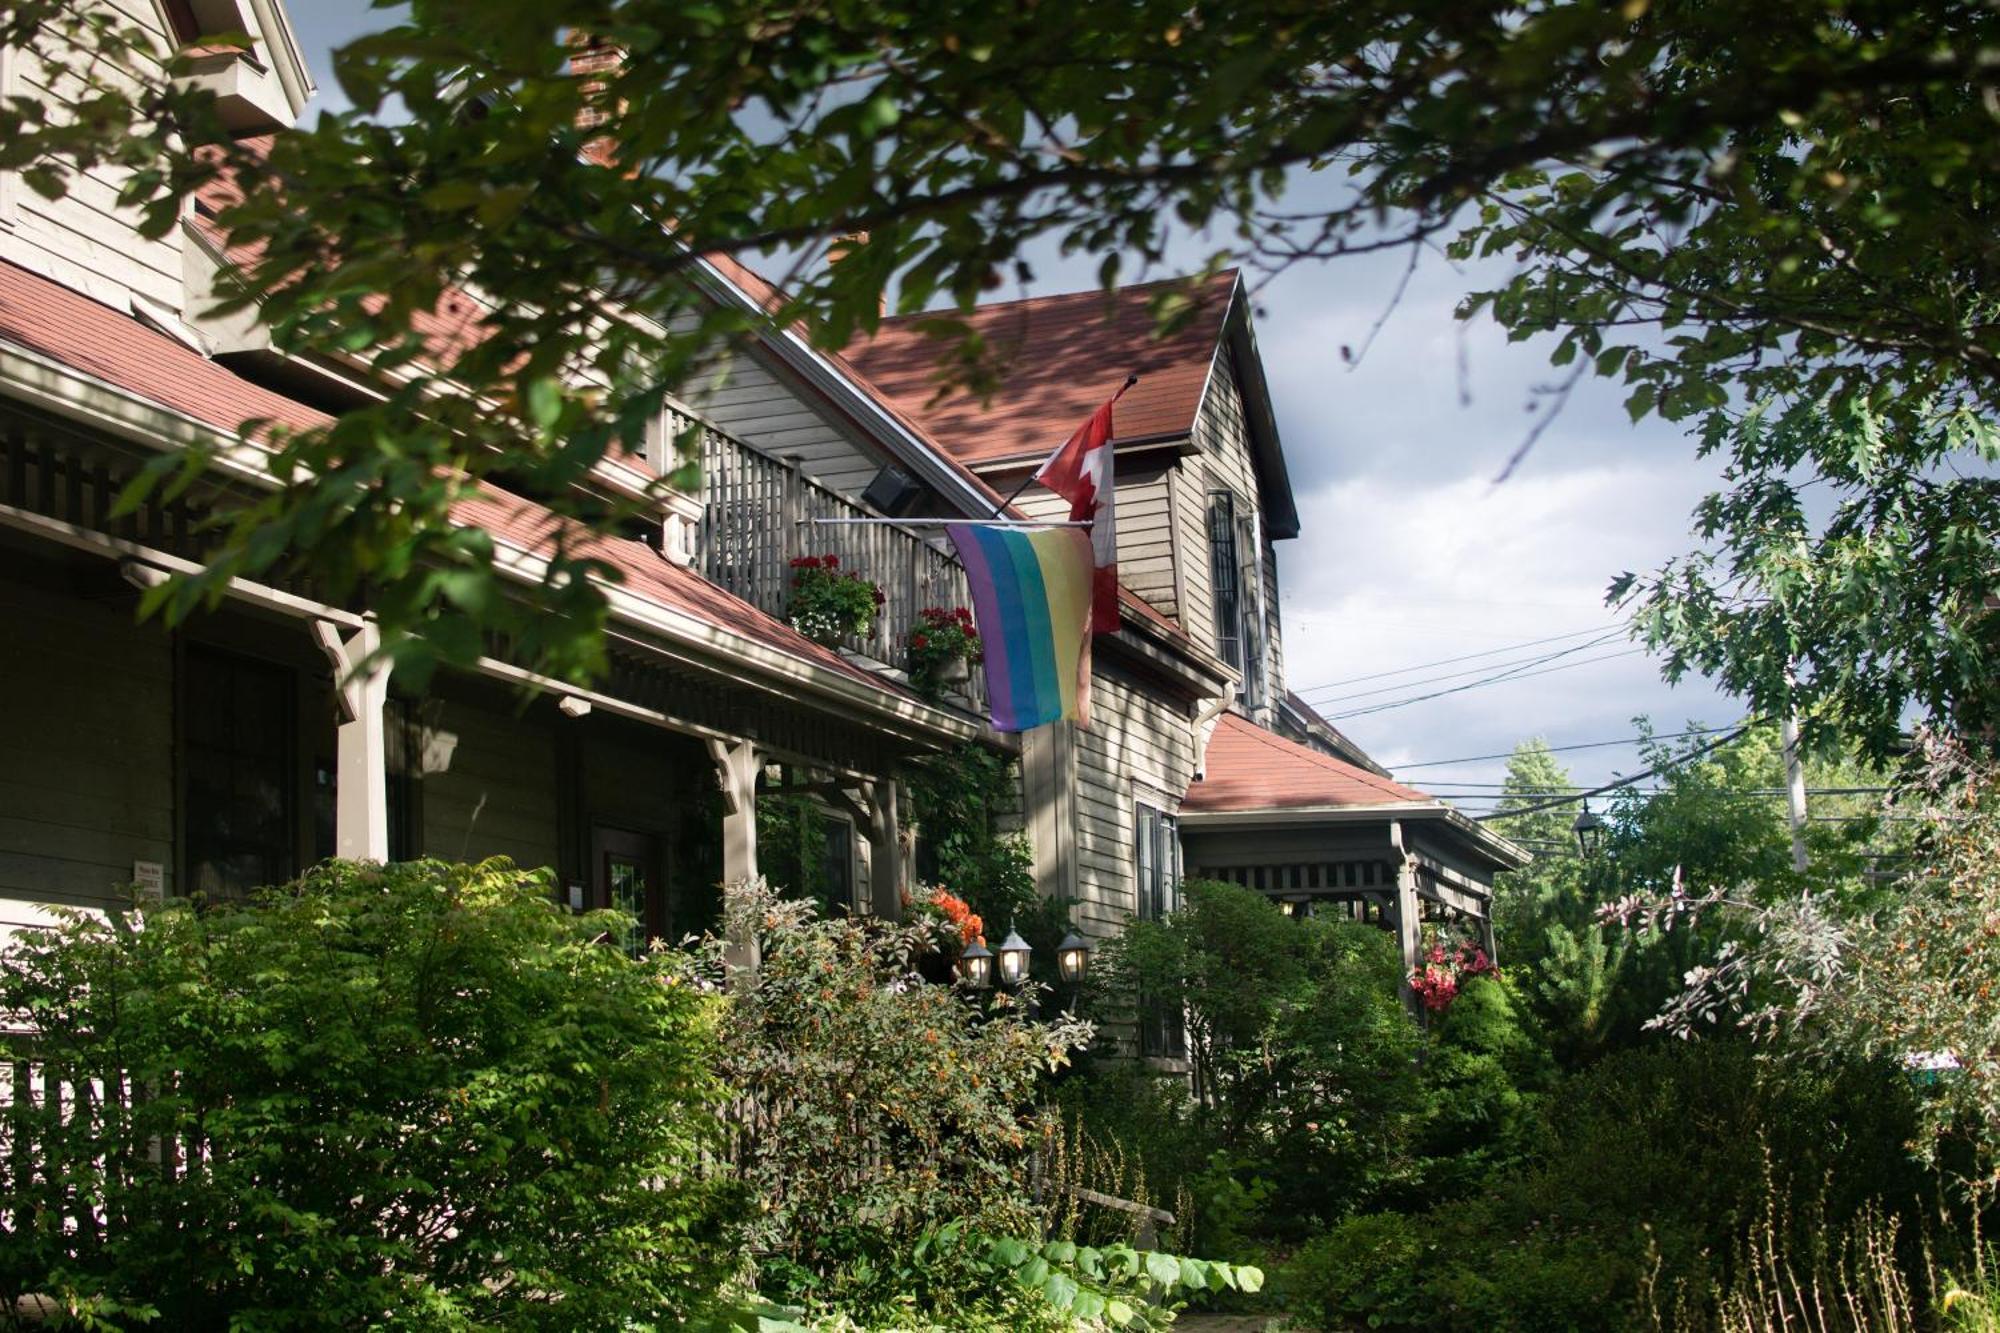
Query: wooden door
x=629, y=873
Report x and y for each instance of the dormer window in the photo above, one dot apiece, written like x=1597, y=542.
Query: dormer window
x=252, y=96
x=181, y=22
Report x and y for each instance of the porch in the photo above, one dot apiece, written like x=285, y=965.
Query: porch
x=1317, y=834
x=243, y=746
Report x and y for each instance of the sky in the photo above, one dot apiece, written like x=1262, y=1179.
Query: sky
x=1409, y=553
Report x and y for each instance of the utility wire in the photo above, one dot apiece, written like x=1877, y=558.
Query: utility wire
x=1558, y=749
x=1444, y=661
x=1654, y=771
x=1515, y=674
x=1536, y=660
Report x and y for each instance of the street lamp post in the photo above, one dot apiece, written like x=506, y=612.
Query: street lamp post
x=1589, y=830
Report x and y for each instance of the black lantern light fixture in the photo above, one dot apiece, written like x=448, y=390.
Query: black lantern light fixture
x=1013, y=954
x=1589, y=830
x=1073, y=959
x=975, y=966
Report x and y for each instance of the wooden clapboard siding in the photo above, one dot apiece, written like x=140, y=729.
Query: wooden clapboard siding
x=748, y=397
x=85, y=239
x=1138, y=747
x=499, y=797
x=86, y=740
x=1223, y=461
x=1145, y=525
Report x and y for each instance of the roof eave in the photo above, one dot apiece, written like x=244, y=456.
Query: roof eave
x=1281, y=510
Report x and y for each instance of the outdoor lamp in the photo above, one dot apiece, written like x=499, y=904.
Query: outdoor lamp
x=1073, y=959
x=1589, y=830
x=975, y=965
x=1014, y=953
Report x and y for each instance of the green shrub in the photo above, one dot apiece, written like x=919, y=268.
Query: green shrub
x=418, y=1095
x=877, y=1108
x=1642, y=1175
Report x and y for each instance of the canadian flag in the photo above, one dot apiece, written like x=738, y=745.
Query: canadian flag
x=1081, y=471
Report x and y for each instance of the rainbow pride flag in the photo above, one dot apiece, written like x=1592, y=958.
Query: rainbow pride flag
x=1031, y=602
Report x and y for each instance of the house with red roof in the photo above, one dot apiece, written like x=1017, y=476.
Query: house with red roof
x=1250, y=785
x=260, y=737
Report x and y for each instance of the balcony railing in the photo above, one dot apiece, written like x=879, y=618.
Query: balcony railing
x=758, y=517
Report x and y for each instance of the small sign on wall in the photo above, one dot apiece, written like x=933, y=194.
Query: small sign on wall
x=151, y=877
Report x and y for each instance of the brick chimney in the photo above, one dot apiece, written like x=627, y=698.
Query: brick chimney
x=590, y=60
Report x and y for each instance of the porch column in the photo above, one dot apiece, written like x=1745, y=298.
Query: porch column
x=736, y=774
x=361, y=792
x=1486, y=935
x=1409, y=922
x=885, y=851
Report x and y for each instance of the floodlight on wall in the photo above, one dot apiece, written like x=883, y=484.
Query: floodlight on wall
x=572, y=706
x=141, y=575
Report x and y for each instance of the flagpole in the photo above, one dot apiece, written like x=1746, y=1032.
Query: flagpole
x=1029, y=480
x=963, y=522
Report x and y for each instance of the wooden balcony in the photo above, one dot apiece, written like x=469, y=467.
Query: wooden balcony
x=758, y=516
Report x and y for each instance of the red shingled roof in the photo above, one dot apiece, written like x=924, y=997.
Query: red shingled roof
x=1249, y=768
x=1063, y=356
x=66, y=326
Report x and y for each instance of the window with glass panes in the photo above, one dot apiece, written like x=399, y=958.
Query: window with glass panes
x=1236, y=579
x=1157, y=859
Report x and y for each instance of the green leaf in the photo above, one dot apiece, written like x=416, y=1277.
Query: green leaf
x=545, y=402
x=1061, y=1290
x=1163, y=1268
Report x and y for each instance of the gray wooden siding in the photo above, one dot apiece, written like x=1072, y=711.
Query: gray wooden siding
x=86, y=744
x=1137, y=748
x=84, y=239
x=499, y=796
x=1145, y=526
x=1222, y=461
x=747, y=397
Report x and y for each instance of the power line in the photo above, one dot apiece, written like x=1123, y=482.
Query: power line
x=1536, y=660
x=1558, y=749
x=1516, y=674
x=1445, y=661
x=1654, y=771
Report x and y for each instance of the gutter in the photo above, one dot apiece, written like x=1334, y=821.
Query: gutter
x=41, y=381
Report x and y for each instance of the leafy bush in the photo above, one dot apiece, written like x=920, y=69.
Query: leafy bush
x=875, y=1108
x=418, y=1094
x=1646, y=1172
x=1306, y=1091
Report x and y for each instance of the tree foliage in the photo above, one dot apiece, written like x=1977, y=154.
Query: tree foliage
x=422, y=1094
x=1777, y=214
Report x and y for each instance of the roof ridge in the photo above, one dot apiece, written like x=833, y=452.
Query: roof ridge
x=1116, y=292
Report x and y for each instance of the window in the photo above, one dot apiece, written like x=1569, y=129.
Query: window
x=1157, y=858
x=1225, y=572
x=237, y=761
x=8, y=180
x=182, y=24
x=1237, y=577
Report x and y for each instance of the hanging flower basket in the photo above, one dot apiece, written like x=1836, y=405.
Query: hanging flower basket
x=943, y=646
x=830, y=604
